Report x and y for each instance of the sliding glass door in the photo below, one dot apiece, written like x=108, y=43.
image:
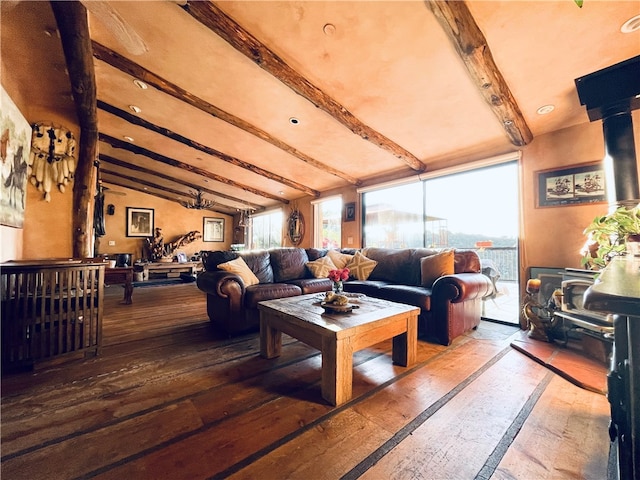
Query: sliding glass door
x=478, y=210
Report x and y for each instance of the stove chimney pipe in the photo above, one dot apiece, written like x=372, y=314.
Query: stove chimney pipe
x=611, y=94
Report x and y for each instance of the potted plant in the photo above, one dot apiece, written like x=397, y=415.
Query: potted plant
x=608, y=235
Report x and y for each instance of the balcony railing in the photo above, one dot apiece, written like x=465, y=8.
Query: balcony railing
x=505, y=260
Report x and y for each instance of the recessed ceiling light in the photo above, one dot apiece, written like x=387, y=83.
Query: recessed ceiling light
x=294, y=121
x=545, y=109
x=128, y=139
x=631, y=25
x=329, y=29
x=135, y=108
x=140, y=84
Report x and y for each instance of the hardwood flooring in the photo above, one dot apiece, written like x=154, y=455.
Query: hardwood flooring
x=169, y=398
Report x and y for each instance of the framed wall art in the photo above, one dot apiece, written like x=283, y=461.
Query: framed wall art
x=580, y=184
x=213, y=229
x=140, y=222
x=15, y=146
x=350, y=212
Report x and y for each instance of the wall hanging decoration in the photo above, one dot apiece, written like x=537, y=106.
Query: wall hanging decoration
x=213, y=229
x=139, y=222
x=580, y=184
x=295, y=226
x=15, y=137
x=52, y=160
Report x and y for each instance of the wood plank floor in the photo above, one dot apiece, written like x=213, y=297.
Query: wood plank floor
x=169, y=398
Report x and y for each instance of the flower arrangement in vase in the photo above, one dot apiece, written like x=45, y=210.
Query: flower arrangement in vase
x=337, y=276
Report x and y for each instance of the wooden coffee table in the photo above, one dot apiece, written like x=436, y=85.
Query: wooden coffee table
x=339, y=335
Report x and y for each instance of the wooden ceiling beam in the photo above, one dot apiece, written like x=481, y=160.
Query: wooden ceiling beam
x=71, y=18
x=137, y=180
x=203, y=148
x=116, y=143
x=131, y=68
x=456, y=20
x=211, y=16
x=112, y=181
x=137, y=168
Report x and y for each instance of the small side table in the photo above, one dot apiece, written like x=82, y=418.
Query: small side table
x=123, y=276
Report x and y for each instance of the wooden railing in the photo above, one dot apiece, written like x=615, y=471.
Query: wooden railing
x=50, y=308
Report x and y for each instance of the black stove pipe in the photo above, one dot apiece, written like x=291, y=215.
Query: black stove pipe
x=620, y=148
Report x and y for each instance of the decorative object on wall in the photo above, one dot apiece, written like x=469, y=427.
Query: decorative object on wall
x=52, y=160
x=111, y=209
x=213, y=229
x=15, y=138
x=164, y=252
x=295, y=226
x=580, y=184
x=198, y=201
x=139, y=222
x=350, y=212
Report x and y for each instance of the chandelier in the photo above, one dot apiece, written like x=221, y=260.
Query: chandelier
x=198, y=201
x=245, y=218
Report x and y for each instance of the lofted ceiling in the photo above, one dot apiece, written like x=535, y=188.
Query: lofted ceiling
x=260, y=103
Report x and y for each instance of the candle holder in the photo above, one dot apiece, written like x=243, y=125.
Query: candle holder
x=541, y=320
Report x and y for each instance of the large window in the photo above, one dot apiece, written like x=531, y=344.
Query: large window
x=475, y=209
x=266, y=230
x=394, y=217
x=327, y=221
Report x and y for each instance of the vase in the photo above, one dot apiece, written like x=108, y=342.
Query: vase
x=337, y=286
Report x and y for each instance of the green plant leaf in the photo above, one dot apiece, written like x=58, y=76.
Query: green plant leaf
x=579, y=3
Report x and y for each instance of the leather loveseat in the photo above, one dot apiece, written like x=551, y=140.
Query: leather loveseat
x=449, y=307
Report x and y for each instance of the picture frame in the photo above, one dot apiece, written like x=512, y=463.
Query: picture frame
x=181, y=257
x=576, y=185
x=15, y=133
x=140, y=222
x=213, y=229
x=350, y=212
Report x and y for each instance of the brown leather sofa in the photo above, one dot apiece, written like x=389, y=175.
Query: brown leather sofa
x=449, y=308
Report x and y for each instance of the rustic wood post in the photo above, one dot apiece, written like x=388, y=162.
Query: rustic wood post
x=74, y=33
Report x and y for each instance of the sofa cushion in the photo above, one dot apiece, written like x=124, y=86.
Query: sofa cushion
x=259, y=262
x=212, y=258
x=312, y=285
x=436, y=266
x=269, y=291
x=320, y=268
x=407, y=294
x=393, y=264
x=467, y=261
x=288, y=264
x=367, y=287
x=240, y=268
x=315, y=253
x=360, y=267
x=340, y=260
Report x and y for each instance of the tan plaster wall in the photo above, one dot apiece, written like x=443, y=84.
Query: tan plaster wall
x=46, y=232
x=172, y=218
x=552, y=236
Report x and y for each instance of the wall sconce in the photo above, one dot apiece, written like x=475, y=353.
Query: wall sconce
x=52, y=158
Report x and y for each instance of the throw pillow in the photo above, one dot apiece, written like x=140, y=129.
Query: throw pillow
x=340, y=260
x=240, y=268
x=435, y=266
x=360, y=267
x=320, y=268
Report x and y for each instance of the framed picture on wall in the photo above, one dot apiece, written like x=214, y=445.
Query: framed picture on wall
x=140, y=222
x=350, y=212
x=213, y=229
x=580, y=184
